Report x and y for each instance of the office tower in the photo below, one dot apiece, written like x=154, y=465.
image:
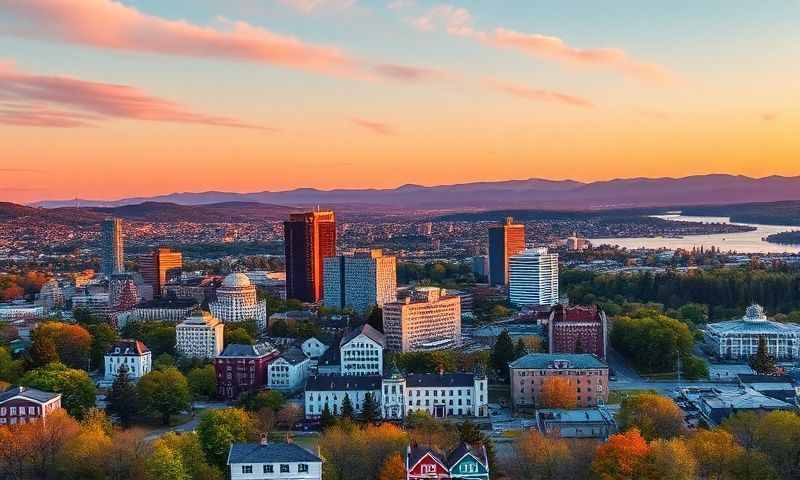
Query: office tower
x=360, y=281
x=237, y=302
x=505, y=241
x=480, y=267
x=533, y=278
x=112, y=248
x=199, y=336
x=429, y=319
x=159, y=267
x=308, y=239
x=426, y=229
x=578, y=329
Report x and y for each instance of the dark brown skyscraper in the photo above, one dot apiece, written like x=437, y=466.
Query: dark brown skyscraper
x=505, y=241
x=308, y=239
x=160, y=266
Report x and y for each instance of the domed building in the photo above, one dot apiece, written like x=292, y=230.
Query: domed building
x=738, y=339
x=237, y=301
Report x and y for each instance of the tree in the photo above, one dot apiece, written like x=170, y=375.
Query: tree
x=218, y=429
x=778, y=437
x=744, y=427
x=43, y=351
x=652, y=341
x=717, y=453
x=503, y=353
x=265, y=420
x=255, y=401
x=537, y=456
x=653, y=415
x=326, y=419
x=279, y=328
x=622, y=457
x=10, y=369
x=72, y=342
x=671, y=459
x=203, y=382
x=122, y=398
x=359, y=452
x=762, y=362
x=557, y=392
x=163, y=393
x=289, y=415
x=347, y=407
x=370, y=412
x=394, y=468
x=238, y=336
x=31, y=450
x=103, y=336
x=76, y=388
x=187, y=449
x=165, y=464
x=520, y=349
x=164, y=361
x=694, y=313
x=469, y=433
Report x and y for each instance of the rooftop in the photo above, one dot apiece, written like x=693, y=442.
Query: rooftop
x=343, y=382
x=440, y=380
x=127, y=348
x=294, y=356
x=368, y=331
x=270, y=453
x=558, y=361
x=29, y=393
x=240, y=350
x=236, y=280
x=754, y=322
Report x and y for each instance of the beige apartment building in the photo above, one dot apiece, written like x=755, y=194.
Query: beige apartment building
x=429, y=319
x=587, y=374
x=199, y=336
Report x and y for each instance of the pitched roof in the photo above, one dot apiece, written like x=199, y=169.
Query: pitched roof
x=331, y=357
x=294, y=356
x=29, y=393
x=127, y=348
x=416, y=454
x=328, y=383
x=554, y=361
x=269, y=453
x=464, y=448
x=368, y=331
x=240, y=350
x=440, y=380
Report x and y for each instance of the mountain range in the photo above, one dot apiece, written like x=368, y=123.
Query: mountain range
x=714, y=189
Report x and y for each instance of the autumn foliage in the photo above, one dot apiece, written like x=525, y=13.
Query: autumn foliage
x=622, y=457
x=557, y=392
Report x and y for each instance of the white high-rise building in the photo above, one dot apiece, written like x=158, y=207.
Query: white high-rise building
x=428, y=320
x=237, y=301
x=533, y=278
x=199, y=336
x=360, y=281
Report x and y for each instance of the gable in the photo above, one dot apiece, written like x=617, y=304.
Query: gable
x=468, y=464
x=426, y=465
x=362, y=338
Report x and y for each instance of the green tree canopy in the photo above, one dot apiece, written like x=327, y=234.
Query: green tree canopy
x=163, y=393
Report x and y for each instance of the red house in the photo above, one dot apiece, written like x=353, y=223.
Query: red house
x=243, y=368
x=578, y=329
x=424, y=464
x=23, y=405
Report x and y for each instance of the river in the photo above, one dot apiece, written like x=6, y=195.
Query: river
x=742, y=242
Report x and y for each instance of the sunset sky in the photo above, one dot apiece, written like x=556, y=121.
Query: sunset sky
x=103, y=99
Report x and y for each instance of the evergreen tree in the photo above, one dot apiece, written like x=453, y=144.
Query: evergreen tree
x=369, y=411
x=326, y=419
x=122, y=398
x=503, y=353
x=762, y=362
x=347, y=407
x=520, y=350
x=469, y=433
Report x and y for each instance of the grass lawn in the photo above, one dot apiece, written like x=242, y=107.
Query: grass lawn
x=617, y=396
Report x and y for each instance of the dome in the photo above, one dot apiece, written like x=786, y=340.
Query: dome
x=236, y=280
x=755, y=313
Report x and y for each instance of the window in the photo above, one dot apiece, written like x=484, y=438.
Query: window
x=268, y=469
x=302, y=468
x=247, y=469
x=284, y=468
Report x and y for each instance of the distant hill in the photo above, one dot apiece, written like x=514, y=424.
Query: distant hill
x=518, y=194
x=773, y=213
x=61, y=215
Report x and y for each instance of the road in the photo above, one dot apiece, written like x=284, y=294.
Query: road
x=189, y=426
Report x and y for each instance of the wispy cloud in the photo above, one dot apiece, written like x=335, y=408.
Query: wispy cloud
x=378, y=128
x=537, y=94
x=409, y=73
x=311, y=6
x=459, y=22
x=32, y=94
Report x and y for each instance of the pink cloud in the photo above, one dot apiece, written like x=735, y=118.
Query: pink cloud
x=98, y=99
x=311, y=6
x=536, y=94
x=378, y=128
x=408, y=73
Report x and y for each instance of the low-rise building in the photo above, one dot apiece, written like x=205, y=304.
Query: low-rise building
x=587, y=374
x=199, y=336
x=715, y=405
x=330, y=390
x=782, y=387
x=268, y=461
x=133, y=354
x=20, y=310
x=289, y=371
x=170, y=309
x=597, y=423
x=362, y=351
x=23, y=405
x=465, y=462
x=738, y=339
x=243, y=368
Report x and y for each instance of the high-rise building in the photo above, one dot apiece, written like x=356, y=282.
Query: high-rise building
x=429, y=319
x=199, y=336
x=533, y=278
x=505, y=241
x=159, y=267
x=360, y=281
x=308, y=238
x=112, y=246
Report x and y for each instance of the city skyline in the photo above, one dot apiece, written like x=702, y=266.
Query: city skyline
x=250, y=96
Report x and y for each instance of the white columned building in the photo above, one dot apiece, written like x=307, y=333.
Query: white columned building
x=738, y=339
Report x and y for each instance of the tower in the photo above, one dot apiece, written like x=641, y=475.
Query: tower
x=394, y=387
x=308, y=238
x=159, y=267
x=505, y=241
x=112, y=247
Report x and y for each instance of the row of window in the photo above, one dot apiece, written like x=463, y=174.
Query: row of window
x=19, y=411
x=284, y=468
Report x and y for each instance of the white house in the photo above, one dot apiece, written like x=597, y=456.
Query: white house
x=313, y=348
x=131, y=353
x=289, y=371
x=361, y=352
x=331, y=389
x=267, y=461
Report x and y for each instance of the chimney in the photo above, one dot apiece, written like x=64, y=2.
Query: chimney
x=263, y=441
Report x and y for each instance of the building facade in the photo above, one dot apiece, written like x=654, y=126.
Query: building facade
x=170, y=309
x=308, y=239
x=25, y=405
x=112, y=249
x=237, y=301
x=505, y=241
x=133, y=354
x=243, y=368
x=533, y=278
x=429, y=319
x=199, y=336
x=441, y=395
x=288, y=372
x=330, y=390
x=361, y=352
x=51, y=296
x=360, y=281
x=268, y=461
x=159, y=267
x=738, y=339
x=585, y=373
x=597, y=423
x=578, y=329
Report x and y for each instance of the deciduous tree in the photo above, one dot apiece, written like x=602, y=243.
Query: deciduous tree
x=164, y=393
x=622, y=457
x=218, y=429
x=393, y=468
x=557, y=392
x=655, y=416
x=76, y=388
x=670, y=459
x=203, y=382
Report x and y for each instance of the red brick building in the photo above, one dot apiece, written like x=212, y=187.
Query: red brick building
x=578, y=329
x=23, y=405
x=243, y=368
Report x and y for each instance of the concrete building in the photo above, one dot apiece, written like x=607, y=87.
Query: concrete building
x=308, y=239
x=505, y=241
x=578, y=329
x=133, y=354
x=597, y=423
x=361, y=352
x=170, y=309
x=243, y=368
x=585, y=373
x=112, y=249
x=330, y=390
x=289, y=371
x=738, y=339
x=533, y=278
x=480, y=267
x=159, y=267
x=51, y=296
x=20, y=310
x=25, y=405
x=268, y=461
x=199, y=336
x=428, y=320
x=360, y=281
x=96, y=303
x=237, y=301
